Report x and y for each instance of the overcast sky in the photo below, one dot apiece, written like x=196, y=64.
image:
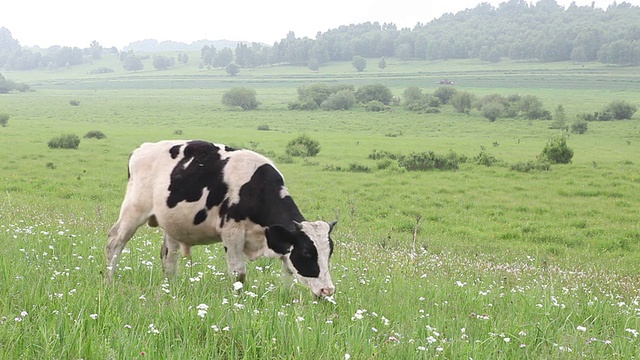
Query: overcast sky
x=119, y=22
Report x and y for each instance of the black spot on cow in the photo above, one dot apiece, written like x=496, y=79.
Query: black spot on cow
x=200, y=217
x=229, y=148
x=260, y=201
x=201, y=167
x=175, y=151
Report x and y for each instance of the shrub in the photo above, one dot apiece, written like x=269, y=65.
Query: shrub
x=263, y=127
x=4, y=119
x=462, y=101
x=303, y=146
x=486, y=159
x=74, y=102
x=531, y=107
x=65, y=141
x=101, y=70
x=427, y=161
x=376, y=106
x=177, y=132
x=341, y=100
x=241, y=96
x=557, y=152
x=306, y=104
x=531, y=166
x=315, y=92
x=382, y=154
x=95, y=134
x=620, y=110
x=579, y=127
x=492, y=110
x=379, y=92
x=445, y=93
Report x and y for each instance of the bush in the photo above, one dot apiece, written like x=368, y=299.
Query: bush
x=263, y=127
x=531, y=166
x=95, y=134
x=579, y=127
x=101, y=70
x=307, y=104
x=303, y=146
x=65, y=141
x=427, y=161
x=241, y=96
x=620, y=110
x=492, y=110
x=557, y=152
x=379, y=92
x=74, y=102
x=376, y=106
x=177, y=132
x=463, y=101
x=486, y=159
x=531, y=107
x=4, y=119
x=445, y=93
x=341, y=100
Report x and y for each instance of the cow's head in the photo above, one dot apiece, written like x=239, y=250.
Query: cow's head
x=305, y=250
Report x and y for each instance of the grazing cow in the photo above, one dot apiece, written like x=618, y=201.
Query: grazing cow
x=201, y=193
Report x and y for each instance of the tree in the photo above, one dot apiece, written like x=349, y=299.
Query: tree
x=161, y=62
x=232, y=69
x=382, y=64
x=557, y=151
x=379, y=92
x=359, y=63
x=240, y=96
x=403, y=52
x=621, y=110
x=314, y=64
x=445, y=93
x=223, y=58
x=492, y=110
x=96, y=50
x=132, y=63
x=341, y=100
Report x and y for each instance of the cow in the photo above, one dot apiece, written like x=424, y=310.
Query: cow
x=200, y=192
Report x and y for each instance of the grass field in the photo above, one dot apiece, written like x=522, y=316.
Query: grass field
x=482, y=262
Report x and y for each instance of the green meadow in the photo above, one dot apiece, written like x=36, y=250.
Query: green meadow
x=483, y=262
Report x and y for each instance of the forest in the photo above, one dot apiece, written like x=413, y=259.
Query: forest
x=516, y=30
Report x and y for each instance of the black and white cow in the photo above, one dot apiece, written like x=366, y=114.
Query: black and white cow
x=201, y=193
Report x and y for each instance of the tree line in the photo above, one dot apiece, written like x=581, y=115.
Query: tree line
x=515, y=29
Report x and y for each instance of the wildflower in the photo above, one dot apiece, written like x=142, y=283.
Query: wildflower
x=581, y=328
x=439, y=348
x=203, y=307
x=632, y=331
x=374, y=329
x=215, y=328
x=523, y=345
x=522, y=333
x=422, y=348
x=24, y=313
x=202, y=313
x=18, y=319
x=347, y=356
x=127, y=326
x=358, y=315
x=226, y=328
x=393, y=339
x=299, y=319
x=507, y=339
x=93, y=316
x=237, y=285
x=607, y=342
x=239, y=306
x=330, y=299
x=565, y=348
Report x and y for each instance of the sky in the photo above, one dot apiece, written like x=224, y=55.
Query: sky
x=77, y=23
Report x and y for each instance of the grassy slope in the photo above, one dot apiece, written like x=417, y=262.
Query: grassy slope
x=539, y=254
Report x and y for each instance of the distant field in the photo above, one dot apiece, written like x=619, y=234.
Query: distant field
x=503, y=264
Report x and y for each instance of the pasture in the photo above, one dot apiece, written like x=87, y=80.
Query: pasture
x=481, y=262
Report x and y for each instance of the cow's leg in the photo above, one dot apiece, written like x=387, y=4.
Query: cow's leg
x=234, y=247
x=131, y=218
x=120, y=233
x=169, y=255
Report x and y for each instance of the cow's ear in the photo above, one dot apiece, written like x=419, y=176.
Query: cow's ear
x=331, y=225
x=279, y=239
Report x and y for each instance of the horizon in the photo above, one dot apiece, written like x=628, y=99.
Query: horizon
x=183, y=25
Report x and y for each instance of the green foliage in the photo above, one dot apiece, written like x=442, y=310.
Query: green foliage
x=65, y=141
x=314, y=64
x=538, y=165
x=375, y=106
x=382, y=63
x=341, y=100
x=94, y=134
x=161, y=62
x=425, y=161
x=557, y=152
x=378, y=92
x=232, y=69
x=486, y=159
x=102, y=70
x=445, y=93
x=263, y=127
x=241, y=96
x=559, y=119
x=621, y=110
x=492, y=110
x=579, y=127
x=132, y=63
x=303, y=146
x=415, y=100
x=359, y=63
x=462, y=101
x=4, y=119
x=532, y=108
